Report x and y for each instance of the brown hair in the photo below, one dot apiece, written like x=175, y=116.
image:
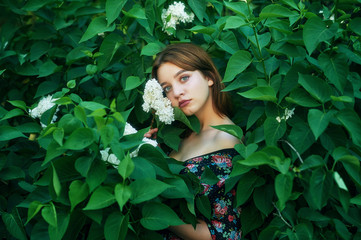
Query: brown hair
x=191, y=57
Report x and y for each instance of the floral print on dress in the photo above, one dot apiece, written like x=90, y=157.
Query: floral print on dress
x=224, y=223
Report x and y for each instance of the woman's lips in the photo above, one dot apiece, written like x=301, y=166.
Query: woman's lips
x=184, y=103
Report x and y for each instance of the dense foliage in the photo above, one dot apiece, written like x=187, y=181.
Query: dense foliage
x=292, y=68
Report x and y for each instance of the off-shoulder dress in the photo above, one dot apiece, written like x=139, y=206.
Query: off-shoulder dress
x=225, y=218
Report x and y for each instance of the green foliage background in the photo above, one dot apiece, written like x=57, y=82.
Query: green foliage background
x=297, y=178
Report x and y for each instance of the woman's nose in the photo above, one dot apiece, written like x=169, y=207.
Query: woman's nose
x=178, y=90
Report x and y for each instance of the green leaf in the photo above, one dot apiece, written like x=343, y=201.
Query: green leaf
x=13, y=224
x=92, y=106
x=113, y=9
x=71, y=84
x=58, y=136
x=48, y=68
x=34, y=5
x=275, y=10
x=78, y=192
x=180, y=116
x=345, y=99
x=146, y=189
x=19, y=104
x=57, y=233
x=152, y=49
x=351, y=121
x=34, y=208
x=122, y=194
x=7, y=133
x=56, y=182
x=263, y=93
x=321, y=184
x=208, y=177
x=97, y=25
x=319, y=120
x=53, y=151
x=315, y=86
x=238, y=7
x=202, y=29
x=38, y=49
x=238, y=62
x=49, y=214
x=228, y=42
x=355, y=25
x=116, y=226
x=136, y=12
x=102, y=197
x=283, y=165
x=179, y=189
x=352, y=166
x=301, y=137
x=301, y=97
x=79, y=113
x=245, y=187
x=335, y=69
x=244, y=79
x=126, y=167
x=246, y=151
x=342, y=230
x=157, y=216
x=257, y=159
x=356, y=200
x=234, y=130
x=133, y=82
x=90, y=69
x=198, y=7
x=312, y=161
x=13, y=113
x=79, y=139
x=283, y=188
x=263, y=197
x=273, y=130
x=315, y=31
x=235, y=22
x=311, y=215
x=107, y=134
x=171, y=136
x=110, y=47
x=340, y=183
x=96, y=174
x=204, y=206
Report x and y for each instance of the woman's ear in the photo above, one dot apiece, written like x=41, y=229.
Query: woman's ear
x=210, y=82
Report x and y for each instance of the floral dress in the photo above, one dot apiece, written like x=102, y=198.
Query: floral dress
x=225, y=219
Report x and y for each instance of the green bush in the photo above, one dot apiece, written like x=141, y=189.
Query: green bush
x=291, y=66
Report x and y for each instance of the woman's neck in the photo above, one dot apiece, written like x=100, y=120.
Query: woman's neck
x=212, y=119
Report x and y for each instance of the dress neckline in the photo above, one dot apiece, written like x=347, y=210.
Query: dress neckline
x=210, y=153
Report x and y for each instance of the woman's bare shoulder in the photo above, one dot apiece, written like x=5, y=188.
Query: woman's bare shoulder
x=225, y=139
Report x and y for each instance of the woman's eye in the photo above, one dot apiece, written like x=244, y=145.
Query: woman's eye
x=166, y=89
x=184, y=78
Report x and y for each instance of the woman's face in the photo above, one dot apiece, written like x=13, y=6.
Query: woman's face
x=188, y=90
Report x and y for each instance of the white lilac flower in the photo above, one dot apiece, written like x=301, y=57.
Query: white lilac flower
x=113, y=160
x=174, y=15
x=129, y=129
x=288, y=114
x=44, y=105
x=153, y=99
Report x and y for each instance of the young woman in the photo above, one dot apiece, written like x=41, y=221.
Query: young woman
x=192, y=83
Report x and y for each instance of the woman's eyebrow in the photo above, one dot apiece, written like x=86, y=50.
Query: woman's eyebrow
x=179, y=72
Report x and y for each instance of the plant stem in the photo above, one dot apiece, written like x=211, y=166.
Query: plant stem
x=294, y=149
x=259, y=47
x=280, y=216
